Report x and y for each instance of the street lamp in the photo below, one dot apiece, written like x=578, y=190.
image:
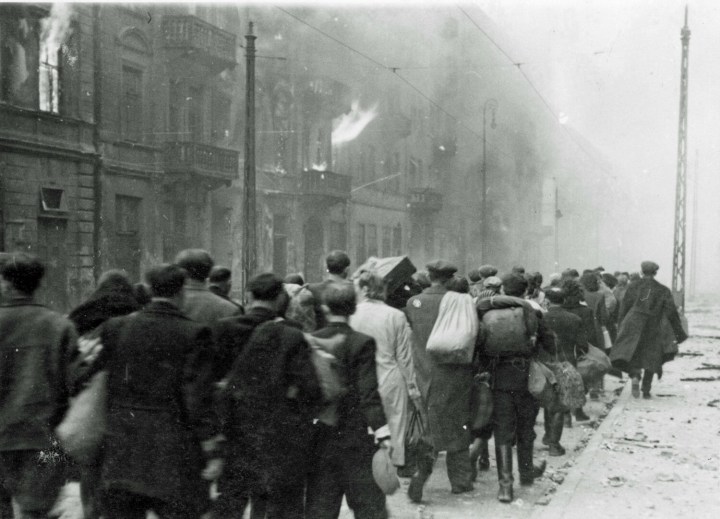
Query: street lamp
x=491, y=104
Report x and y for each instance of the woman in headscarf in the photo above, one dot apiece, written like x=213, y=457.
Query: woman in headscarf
x=113, y=297
x=393, y=357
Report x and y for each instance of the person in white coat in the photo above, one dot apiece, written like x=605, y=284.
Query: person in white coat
x=397, y=384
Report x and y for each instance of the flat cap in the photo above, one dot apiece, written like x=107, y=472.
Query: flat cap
x=442, y=267
x=492, y=282
x=488, y=270
x=649, y=267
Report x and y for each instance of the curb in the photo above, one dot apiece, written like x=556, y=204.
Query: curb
x=561, y=499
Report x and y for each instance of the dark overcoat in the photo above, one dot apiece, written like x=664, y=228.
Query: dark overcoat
x=445, y=388
x=159, y=404
x=596, y=302
x=570, y=337
x=585, y=313
x=274, y=394
x=639, y=343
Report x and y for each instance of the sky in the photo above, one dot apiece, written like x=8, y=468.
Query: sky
x=612, y=68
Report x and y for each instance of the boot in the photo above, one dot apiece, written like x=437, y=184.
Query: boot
x=547, y=421
x=636, y=387
x=568, y=420
x=424, y=467
x=528, y=471
x=458, y=471
x=647, y=383
x=484, y=462
x=556, y=428
x=580, y=415
x=503, y=458
x=474, y=455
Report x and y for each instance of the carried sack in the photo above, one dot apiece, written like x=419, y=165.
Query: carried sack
x=419, y=451
x=453, y=337
x=481, y=402
x=384, y=472
x=81, y=431
x=509, y=327
x=570, y=387
x=593, y=365
x=542, y=385
x=330, y=374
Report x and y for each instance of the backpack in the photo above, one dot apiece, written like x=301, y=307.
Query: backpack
x=330, y=373
x=509, y=327
x=302, y=309
x=453, y=337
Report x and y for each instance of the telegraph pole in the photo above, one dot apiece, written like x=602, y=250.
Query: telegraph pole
x=249, y=211
x=678, y=274
x=694, y=246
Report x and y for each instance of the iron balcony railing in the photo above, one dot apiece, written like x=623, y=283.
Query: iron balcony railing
x=193, y=34
x=326, y=183
x=425, y=200
x=202, y=159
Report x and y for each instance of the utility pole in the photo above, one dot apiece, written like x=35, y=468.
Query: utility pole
x=491, y=104
x=249, y=211
x=694, y=241
x=678, y=274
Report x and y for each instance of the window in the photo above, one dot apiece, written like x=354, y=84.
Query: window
x=195, y=116
x=49, y=76
x=386, y=241
x=176, y=101
x=52, y=199
x=127, y=214
x=131, y=113
x=221, y=119
x=337, y=236
x=397, y=240
x=280, y=245
x=372, y=240
x=361, y=250
x=19, y=41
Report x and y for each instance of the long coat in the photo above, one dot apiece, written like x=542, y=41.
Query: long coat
x=596, y=302
x=588, y=319
x=159, y=404
x=274, y=394
x=397, y=382
x=571, y=340
x=639, y=341
x=445, y=388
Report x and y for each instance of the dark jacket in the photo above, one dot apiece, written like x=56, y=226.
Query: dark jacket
x=511, y=373
x=317, y=290
x=159, y=404
x=99, y=308
x=35, y=348
x=570, y=337
x=233, y=333
x=361, y=407
x=596, y=302
x=274, y=394
x=639, y=341
x=587, y=316
x=445, y=388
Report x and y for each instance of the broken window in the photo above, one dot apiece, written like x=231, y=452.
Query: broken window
x=19, y=40
x=49, y=76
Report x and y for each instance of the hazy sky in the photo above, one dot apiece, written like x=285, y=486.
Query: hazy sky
x=613, y=68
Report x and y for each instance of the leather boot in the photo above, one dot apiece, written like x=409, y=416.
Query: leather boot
x=484, y=462
x=423, y=470
x=503, y=458
x=580, y=415
x=557, y=421
x=528, y=471
x=474, y=455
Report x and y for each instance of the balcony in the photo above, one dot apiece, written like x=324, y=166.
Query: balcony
x=203, y=160
x=326, y=184
x=199, y=41
x=425, y=200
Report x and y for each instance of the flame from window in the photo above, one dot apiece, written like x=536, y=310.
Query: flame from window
x=347, y=127
x=53, y=31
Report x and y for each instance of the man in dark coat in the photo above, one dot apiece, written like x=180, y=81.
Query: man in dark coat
x=35, y=347
x=232, y=335
x=199, y=303
x=337, y=264
x=514, y=408
x=570, y=343
x=445, y=388
x=639, y=343
x=160, y=416
x=273, y=393
x=220, y=284
x=342, y=454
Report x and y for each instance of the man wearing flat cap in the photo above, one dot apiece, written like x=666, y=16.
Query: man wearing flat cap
x=445, y=388
x=649, y=321
x=478, y=277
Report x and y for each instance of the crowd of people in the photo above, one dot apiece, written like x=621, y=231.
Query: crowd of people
x=282, y=402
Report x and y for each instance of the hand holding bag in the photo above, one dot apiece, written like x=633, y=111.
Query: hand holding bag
x=570, y=387
x=542, y=385
x=593, y=365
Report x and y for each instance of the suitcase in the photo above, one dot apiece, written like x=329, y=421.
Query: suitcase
x=395, y=271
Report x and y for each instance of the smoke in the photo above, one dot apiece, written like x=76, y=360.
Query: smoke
x=55, y=28
x=350, y=125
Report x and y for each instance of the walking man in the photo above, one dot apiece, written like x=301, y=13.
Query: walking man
x=638, y=349
x=445, y=388
x=35, y=345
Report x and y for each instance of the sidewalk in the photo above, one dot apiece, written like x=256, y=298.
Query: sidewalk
x=657, y=458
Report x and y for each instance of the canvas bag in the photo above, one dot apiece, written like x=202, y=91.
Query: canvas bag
x=330, y=374
x=593, y=365
x=453, y=337
x=301, y=308
x=509, y=328
x=542, y=385
x=570, y=387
